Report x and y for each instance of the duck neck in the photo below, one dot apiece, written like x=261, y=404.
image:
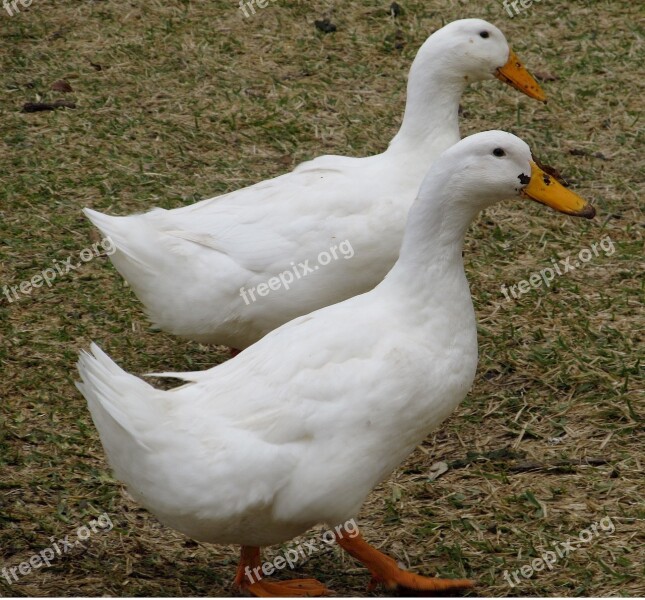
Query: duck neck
x=431, y=119
x=431, y=260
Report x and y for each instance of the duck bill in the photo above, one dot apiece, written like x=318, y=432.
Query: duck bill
x=516, y=75
x=543, y=188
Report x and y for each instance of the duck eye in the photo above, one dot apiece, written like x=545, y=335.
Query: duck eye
x=499, y=152
x=484, y=34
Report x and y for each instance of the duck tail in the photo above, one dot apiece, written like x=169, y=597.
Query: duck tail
x=122, y=234
x=147, y=257
x=124, y=408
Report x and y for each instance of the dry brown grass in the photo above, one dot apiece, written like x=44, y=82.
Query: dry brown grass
x=192, y=100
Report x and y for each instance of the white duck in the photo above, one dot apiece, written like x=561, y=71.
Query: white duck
x=300, y=427
x=232, y=268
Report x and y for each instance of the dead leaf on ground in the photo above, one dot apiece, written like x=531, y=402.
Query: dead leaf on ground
x=61, y=86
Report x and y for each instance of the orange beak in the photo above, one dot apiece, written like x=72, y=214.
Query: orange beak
x=546, y=190
x=516, y=75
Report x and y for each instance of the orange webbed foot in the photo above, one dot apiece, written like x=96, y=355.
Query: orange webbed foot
x=387, y=572
x=292, y=588
x=249, y=578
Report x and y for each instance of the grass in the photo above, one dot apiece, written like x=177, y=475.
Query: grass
x=177, y=101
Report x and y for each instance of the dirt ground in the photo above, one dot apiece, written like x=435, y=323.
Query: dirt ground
x=176, y=101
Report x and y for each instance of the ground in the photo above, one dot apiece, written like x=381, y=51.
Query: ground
x=177, y=101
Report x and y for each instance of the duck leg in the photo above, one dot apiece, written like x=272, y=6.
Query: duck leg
x=386, y=571
x=250, y=578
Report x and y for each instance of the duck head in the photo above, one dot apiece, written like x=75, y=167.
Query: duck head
x=472, y=50
x=473, y=174
x=487, y=167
